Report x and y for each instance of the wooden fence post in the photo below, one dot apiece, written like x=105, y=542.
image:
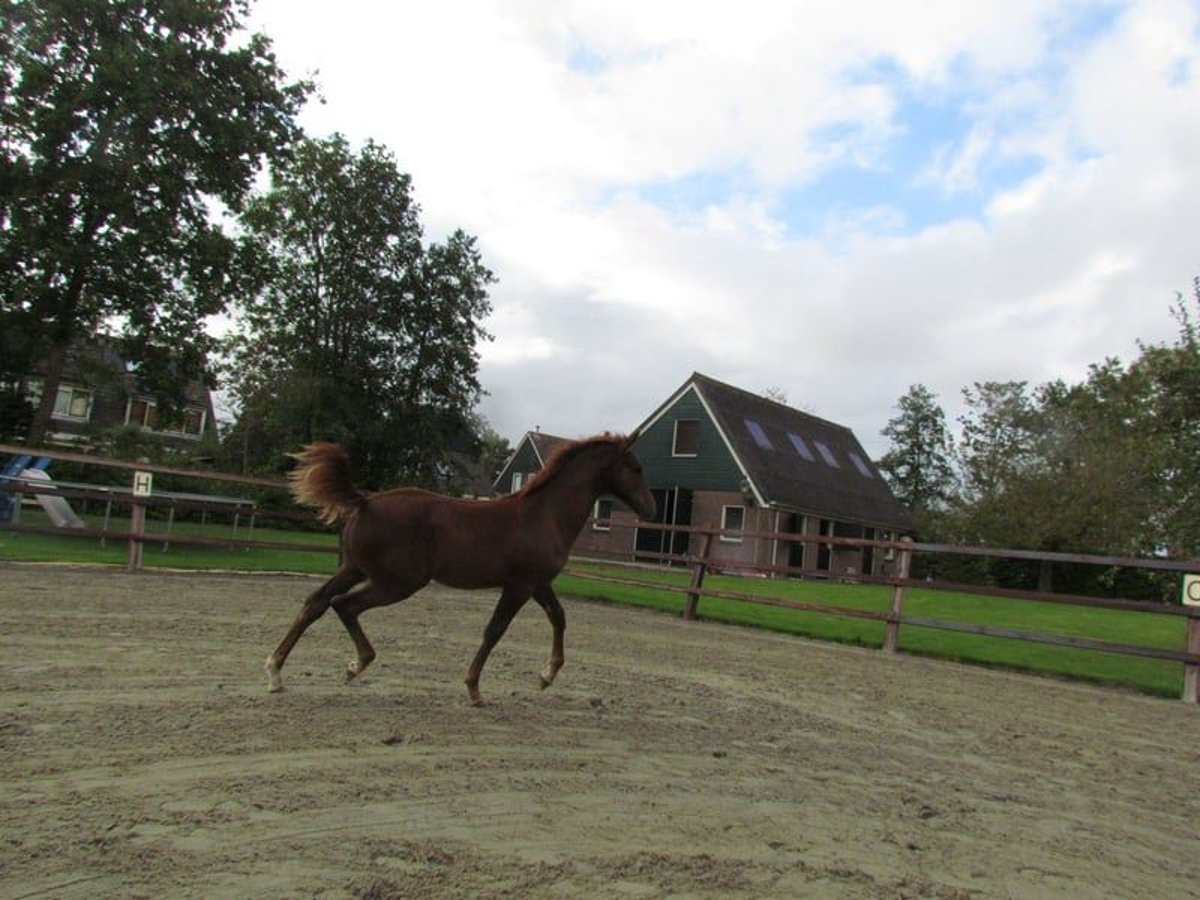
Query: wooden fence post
x=137, y=518
x=698, y=573
x=1191, y=671
x=891, y=632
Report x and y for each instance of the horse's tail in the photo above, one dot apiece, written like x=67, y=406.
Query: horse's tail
x=322, y=479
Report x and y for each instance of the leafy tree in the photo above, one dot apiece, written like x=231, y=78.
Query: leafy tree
x=356, y=331
x=121, y=123
x=996, y=439
x=494, y=449
x=1110, y=465
x=1092, y=485
x=919, y=463
x=1068, y=468
x=1171, y=430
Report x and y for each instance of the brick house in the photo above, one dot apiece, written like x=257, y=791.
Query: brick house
x=99, y=391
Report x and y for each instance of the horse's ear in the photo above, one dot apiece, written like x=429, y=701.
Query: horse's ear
x=629, y=440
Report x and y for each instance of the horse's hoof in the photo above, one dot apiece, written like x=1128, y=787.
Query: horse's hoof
x=274, y=681
x=546, y=682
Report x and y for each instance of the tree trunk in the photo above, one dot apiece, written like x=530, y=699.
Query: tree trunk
x=40, y=427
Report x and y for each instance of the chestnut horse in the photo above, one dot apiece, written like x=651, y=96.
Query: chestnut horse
x=396, y=542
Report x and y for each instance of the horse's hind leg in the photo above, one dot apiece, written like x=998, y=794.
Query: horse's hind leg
x=314, y=607
x=350, y=605
x=548, y=600
x=510, y=604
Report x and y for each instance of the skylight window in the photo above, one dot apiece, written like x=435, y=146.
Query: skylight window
x=827, y=455
x=760, y=436
x=861, y=465
x=801, y=447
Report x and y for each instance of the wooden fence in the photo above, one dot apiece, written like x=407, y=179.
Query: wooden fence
x=899, y=581
x=137, y=535
x=699, y=564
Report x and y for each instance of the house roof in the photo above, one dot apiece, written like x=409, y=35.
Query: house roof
x=795, y=460
x=543, y=446
x=94, y=362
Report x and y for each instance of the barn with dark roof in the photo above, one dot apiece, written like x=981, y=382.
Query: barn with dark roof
x=716, y=455
x=528, y=458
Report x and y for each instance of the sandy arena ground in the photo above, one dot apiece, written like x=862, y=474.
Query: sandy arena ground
x=141, y=756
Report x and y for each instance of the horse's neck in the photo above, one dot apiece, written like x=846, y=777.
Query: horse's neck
x=568, y=499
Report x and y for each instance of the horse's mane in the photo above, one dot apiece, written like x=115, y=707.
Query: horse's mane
x=563, y=456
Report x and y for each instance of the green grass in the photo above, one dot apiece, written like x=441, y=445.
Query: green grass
x=1116, y=626
x=24, y=547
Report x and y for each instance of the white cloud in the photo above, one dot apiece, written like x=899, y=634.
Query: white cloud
x=538, y=126
x=956, y=169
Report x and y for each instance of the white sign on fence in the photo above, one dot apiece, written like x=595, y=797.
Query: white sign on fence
x=1191, y=590
x=142, y=482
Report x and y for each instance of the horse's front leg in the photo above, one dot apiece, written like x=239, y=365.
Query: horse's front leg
x=548, y=600
x=511, y=601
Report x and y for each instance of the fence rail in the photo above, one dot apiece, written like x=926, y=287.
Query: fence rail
x=699, y=564
x=899, y=582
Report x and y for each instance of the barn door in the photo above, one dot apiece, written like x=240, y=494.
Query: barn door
x=683, y=517
x=795, y=549
x=652, y=540
x=674, y=507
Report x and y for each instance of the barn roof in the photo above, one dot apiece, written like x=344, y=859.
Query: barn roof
x=795, y=460
x=543, y=446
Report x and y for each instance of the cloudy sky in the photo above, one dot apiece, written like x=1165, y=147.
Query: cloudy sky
x=833, y=200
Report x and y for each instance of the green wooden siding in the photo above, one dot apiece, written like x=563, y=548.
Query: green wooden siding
x=525, y=462
x=712, y=469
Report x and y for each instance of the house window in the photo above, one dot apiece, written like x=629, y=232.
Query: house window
x=144, y=414
x=73, y=403
x=602, y=513
x=760, y=436
x=687, y=438
x=827, y=455
x=193, y=421
x=733, y=518
x=518, y=479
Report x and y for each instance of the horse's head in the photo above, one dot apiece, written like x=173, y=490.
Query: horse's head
x=624, y=479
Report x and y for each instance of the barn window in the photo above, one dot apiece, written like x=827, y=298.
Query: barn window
x=760, y=436
x=827, y=455
x=861, y=465
x=801, y=447
x=687, y=438
x=602, y=513
x=733, y=518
